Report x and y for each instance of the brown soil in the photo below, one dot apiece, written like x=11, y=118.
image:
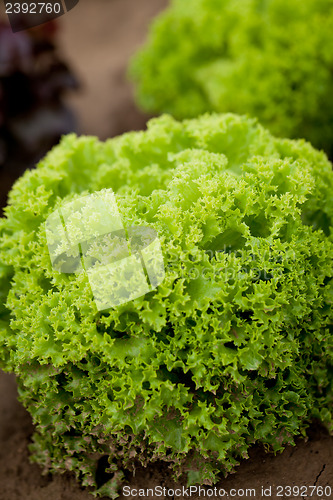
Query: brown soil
x=98, y=37
x=309, y=463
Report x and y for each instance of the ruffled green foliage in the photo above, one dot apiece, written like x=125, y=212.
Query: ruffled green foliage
x=233, y=348
x=270, y=58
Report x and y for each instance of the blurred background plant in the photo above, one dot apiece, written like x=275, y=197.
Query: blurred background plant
x=33, y=82
x=272, y=59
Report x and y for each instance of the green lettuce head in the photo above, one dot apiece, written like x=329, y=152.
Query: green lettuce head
x=269, y=58
x=233, y=345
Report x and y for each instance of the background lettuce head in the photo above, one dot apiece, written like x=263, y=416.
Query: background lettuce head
x=272, y=59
